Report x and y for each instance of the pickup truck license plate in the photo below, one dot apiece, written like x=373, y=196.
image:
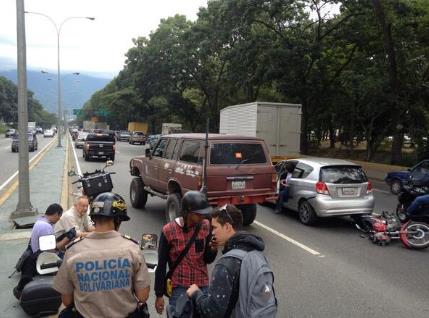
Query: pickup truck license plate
x=237, y=185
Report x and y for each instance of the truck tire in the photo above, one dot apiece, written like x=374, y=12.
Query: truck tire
x=174, y=206
x=138, y=195
x=249, y=213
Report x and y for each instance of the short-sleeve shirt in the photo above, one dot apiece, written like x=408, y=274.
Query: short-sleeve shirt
x=71, y=219
x=40, y=228
x=102, y=271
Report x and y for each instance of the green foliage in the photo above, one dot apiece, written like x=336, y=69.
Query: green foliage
x=9, y=106
x=361, y=70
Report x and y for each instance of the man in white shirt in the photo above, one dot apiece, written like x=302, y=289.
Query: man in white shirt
x=76, y=217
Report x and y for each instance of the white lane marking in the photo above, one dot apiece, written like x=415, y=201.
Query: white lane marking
x=16, y=172
x=79, y=172
x=383, y=191
x=290, y=240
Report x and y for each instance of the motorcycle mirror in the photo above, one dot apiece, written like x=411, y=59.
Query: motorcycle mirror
x=149, y=241
x=47, y=242
x=109, y=163
x=149, y=244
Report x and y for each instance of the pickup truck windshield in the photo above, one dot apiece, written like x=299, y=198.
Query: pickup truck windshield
x=236, y=153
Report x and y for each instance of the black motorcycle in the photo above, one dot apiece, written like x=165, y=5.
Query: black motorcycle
x=407, y=195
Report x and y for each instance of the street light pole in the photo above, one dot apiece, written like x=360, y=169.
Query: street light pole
x=58, y=30
x=24, y=207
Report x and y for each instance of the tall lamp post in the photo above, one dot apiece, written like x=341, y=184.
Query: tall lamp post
x=58, y=30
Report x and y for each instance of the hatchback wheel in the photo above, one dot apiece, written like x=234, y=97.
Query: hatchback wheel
x=174, y=206
x=306, y=213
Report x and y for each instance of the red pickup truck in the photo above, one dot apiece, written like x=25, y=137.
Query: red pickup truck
x=239, y=171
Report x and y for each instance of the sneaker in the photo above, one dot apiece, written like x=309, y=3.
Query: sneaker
x=17, y=293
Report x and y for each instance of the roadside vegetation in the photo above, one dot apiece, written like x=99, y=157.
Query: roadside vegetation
x=9, y=107
x=360, y=69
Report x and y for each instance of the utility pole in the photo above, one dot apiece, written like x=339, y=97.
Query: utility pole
x=24, y=207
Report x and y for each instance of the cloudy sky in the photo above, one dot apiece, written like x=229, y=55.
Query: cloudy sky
x=87, y=46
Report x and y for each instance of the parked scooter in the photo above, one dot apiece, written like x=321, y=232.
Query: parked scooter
x=38, y=298
x=382, y=229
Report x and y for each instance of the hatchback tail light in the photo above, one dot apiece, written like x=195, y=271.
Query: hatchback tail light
x=322, y=188
x=369, y=187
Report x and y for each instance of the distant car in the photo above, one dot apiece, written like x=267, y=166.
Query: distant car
x=32, y=143
x=124, y=136
x=324, y=187
x=39, y=130
x=152, y=140
x=48, y=133
x=137, y=137
x=80, y=140
x=396, y=179
x=10, y=132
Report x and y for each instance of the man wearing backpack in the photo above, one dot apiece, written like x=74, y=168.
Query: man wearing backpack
x=242, y=282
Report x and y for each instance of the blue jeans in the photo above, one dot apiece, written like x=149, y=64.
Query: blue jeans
x=177, y=292
x=283, y=197
x=414, y=207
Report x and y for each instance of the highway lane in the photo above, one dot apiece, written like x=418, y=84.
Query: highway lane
x=349, y=278
x=9, y=160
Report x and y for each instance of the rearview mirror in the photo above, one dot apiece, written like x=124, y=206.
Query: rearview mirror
x=47, y=242
x=148, y=152
x=149, y=241
x=149, y=245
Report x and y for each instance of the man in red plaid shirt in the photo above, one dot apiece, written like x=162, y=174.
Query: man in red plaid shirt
x=192, y=269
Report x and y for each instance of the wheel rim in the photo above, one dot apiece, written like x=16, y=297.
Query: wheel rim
x=418, y=234
x=304, y=212
x=396, y=187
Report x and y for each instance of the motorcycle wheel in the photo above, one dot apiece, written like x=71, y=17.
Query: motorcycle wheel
x=415, y=235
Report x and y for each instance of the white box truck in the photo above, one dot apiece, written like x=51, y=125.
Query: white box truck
x=279, y=124
x=169, y=128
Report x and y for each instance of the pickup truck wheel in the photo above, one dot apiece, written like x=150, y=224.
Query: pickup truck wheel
x=249, y=213
x=138, y=195
x=174, y=207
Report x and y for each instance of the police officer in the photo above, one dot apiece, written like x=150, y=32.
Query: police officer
x=104, y=274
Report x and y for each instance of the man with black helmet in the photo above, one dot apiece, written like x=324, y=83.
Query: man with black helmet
x=188, y=268
x=104, y=274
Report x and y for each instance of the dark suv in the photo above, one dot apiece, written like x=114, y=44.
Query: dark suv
x=99, y=145
x=32, y=142
x=239, y=171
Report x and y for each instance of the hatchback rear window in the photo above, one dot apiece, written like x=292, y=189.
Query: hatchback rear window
x=342, y=174
x=236, y=153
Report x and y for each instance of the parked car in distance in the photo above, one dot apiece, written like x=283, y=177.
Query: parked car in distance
x=124, y=135
x=32, y=142
x=396, y=179
x=10, y=132
x=137, y=137
x=48, y=133
x=324, y=187
x=153, y=139
x=239, y=171
x=80, y=140
x=39, y=130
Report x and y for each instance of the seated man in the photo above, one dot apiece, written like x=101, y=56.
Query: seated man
x=43, y=226
x=75, y=217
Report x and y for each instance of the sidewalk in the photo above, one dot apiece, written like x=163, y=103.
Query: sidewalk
x=46, y=187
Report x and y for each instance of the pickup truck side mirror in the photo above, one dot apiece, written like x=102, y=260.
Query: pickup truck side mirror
x=148, y=153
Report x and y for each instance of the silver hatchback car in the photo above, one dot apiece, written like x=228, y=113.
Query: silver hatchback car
x=324, y=187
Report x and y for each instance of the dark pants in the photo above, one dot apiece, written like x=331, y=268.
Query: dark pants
x=28, y=271
x=177, y=292
x=415, y=206
x=283, y=197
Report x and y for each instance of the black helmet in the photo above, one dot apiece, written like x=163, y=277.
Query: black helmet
x=111, y=205
x=196, y=202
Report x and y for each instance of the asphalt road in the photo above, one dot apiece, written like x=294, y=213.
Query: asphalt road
x=326, y=270
x=9, y=160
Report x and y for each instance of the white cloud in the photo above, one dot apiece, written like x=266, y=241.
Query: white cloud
x=93, y=46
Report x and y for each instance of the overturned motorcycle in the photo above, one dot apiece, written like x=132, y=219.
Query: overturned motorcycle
x=382, y=229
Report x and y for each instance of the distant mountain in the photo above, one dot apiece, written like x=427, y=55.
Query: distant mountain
x=76, y=89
